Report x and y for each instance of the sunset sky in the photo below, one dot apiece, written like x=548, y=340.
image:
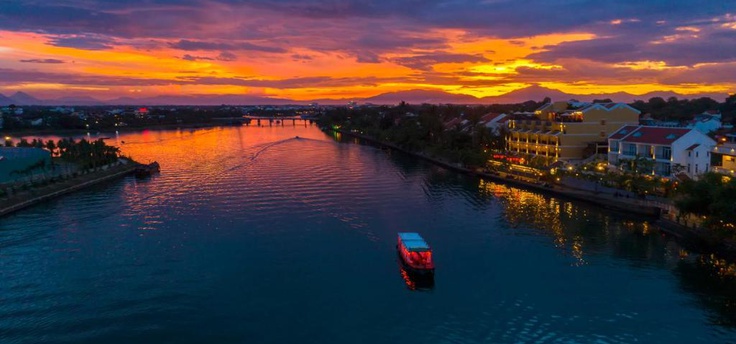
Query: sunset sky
x=301, y=49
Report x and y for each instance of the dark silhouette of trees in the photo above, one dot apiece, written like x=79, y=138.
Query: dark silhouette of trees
x=713, y=196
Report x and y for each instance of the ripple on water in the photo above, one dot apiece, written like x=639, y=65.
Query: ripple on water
x=251, y=235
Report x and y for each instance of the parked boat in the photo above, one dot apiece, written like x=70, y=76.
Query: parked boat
x=415, y=254
x=143, y=171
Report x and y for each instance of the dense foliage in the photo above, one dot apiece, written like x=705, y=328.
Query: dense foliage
x=713, y=197
x=684, y=109
x=86, y=154
x=422, y=129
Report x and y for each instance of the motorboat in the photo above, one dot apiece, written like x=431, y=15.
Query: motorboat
x=415, y=253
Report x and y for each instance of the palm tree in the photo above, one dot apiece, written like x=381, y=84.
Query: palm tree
x=51, y=146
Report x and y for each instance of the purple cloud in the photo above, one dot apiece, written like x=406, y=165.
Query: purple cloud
x=226, y=56
x=195, y=58
x=87, y=42
x=51, y=61
x=426, y=61
x=190, y=45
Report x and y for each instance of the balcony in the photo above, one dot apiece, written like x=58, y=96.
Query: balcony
x=724, y=171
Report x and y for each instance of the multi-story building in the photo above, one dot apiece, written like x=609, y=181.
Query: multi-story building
x=670, y=150
x=563, y=130
x=725, y=155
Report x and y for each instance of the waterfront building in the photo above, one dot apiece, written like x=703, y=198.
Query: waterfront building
x=564, y=130
x=670, y=151
x=495, y=122
x=724, y=155
x=706, y=122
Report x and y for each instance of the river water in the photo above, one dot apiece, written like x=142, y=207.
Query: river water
x=286, y=235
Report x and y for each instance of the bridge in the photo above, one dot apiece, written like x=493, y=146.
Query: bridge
x=267, y=120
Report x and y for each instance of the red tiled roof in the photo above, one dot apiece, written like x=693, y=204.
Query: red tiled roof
x=623, y=132
x=453, y=122
x=489, y=117
x=655, y=135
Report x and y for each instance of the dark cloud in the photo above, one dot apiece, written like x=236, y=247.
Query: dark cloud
x=675, y=48
x=426, y=61
x=190, y=45
x=318, y=81
x=195, y=58
x=13, y=76
x=367, y=57
x=50, y=61
x=87, y=42
x=302, y=57
x=226, y=56
x=368, y=30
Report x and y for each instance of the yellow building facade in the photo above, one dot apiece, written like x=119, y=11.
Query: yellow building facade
x=563, y=130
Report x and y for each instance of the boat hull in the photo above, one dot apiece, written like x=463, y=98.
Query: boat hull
x=411, y=269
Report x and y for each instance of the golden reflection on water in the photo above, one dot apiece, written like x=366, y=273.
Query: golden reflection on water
x=522, y=207
x=721, y=267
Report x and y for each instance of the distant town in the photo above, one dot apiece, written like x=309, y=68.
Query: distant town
x=661, y=150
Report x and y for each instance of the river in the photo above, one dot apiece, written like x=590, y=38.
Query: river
x=285, y=234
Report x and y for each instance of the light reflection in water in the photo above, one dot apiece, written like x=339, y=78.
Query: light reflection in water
x=416, y=282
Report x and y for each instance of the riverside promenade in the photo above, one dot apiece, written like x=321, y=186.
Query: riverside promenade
x=33, y=196
x=610, y=201
x=663, y=214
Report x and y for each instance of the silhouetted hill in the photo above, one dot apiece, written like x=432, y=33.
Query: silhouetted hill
x=535, y=93
x=421, y=96
x=5, y=101
x=75, y=101
x=22, y=98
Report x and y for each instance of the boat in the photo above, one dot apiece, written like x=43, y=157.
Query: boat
x=415, y=254
x=143, y=171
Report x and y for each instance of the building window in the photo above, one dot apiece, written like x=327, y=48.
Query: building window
x=696, y=154
x=603, y=122
x=688, y=168
x=696, y=168
x=706, y=167
x=689, y=154
x=666, y=152
x=603, y=134
x=631, y=150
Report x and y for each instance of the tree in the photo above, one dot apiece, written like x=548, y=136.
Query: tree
x=713, y=196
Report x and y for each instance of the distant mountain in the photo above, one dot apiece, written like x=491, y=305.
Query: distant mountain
x=421, y=96
x=538, y=93
x=75, y=101
x=535, y=93
x=22, y=98
x=5, y=101
x=226, y=99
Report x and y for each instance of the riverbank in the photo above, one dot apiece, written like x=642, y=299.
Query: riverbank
x=76, y=132
x=691, y=238
x=628, y=205
x=27, y=198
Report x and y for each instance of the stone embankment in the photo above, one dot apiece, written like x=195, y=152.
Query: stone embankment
x=27, y=198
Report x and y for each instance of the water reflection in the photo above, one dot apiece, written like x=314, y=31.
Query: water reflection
x=712, y=280
x=414, y=281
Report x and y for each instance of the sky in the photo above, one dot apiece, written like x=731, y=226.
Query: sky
x=302, y=49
